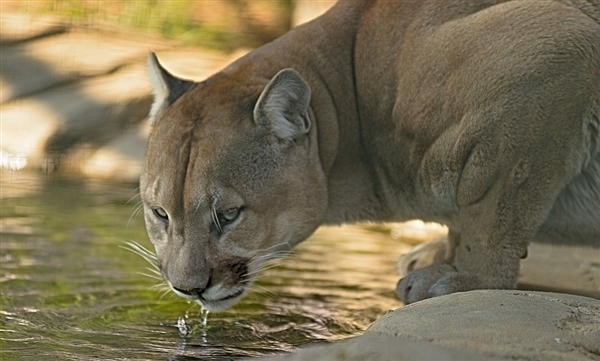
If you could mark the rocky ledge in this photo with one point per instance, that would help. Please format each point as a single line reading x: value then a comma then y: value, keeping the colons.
x: 477, y: 325
x: 76, y: 99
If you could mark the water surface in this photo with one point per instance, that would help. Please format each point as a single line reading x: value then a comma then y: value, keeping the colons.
x: 70, y: 291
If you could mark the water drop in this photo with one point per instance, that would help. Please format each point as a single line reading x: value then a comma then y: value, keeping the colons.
x: 204, y: 313
x: 183, y: 327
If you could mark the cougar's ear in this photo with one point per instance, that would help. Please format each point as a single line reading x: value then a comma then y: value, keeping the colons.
x: 166, y: 87
x: 283, y: 105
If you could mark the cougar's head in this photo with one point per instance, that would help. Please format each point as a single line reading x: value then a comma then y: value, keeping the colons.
x: 232, y: 178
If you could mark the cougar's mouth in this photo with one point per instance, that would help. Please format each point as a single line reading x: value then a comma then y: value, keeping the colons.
x: 215, y: 298
x: 221, y: 303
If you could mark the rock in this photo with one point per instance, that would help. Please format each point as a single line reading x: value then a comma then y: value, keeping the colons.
x: 477, y: 325
x: 122, y: 158
x: 31, y: 67
x: 75, y: 98
x: 380, y: 348
x: 19, y: 27
x: 510, y: 324
x: 84, y: 95
x: 561, y: 268
x: 90, y: 112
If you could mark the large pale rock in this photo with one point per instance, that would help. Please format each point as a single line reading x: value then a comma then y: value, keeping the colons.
x: 511, y: 324
x: 562, y: 268
x: 477, y: 325
x: 381, y: 348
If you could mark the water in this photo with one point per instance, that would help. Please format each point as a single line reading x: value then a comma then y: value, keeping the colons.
x: 69, y: 290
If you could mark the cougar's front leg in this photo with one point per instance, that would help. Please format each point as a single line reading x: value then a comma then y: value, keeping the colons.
x: 496, y: 220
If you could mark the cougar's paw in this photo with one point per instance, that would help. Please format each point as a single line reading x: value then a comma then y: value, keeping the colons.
x: 421, y: 256
x: 417, y: 285
x: 457, y: 282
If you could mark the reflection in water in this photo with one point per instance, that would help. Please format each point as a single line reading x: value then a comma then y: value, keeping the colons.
x: 70, y: 291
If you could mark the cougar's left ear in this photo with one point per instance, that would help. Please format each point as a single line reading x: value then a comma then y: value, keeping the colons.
x: 166, y: 87
x: 283, y: 105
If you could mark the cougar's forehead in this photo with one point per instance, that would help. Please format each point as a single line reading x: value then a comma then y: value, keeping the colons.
x: 196, y: 150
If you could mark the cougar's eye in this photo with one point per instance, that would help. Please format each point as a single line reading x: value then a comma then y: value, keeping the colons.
x: 161, y: 214
x: 229, y: 215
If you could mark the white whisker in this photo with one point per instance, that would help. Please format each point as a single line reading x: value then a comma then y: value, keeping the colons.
x: 136, y: 195
x: 149, y: 276
x: 160, y: 286
x: 164, y: 293
x: 136, y: 210
x: 270, y: 257
x: 266, y: 250
x: 215, y: 220
x: 141, y: 251
x: 154, y: 270
x: 199, y: 203
x: 262, y: 269
x: 264, y: 261
x: 263, y: 291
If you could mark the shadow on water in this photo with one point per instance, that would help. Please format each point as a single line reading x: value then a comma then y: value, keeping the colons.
x: 69, y: 291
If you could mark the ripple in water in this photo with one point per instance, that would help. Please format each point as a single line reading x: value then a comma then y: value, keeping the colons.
x: 70, y: 291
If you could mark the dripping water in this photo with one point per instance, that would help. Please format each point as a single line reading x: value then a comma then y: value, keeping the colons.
x: 204, y: 314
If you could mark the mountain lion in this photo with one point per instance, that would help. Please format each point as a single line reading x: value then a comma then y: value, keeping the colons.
x: 481, y: 115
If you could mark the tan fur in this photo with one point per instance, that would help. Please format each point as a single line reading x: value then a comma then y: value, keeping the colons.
x: 422, y: 255
x: 482, y: 115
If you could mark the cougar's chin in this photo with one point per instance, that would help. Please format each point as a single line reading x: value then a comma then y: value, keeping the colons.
x: 216, y: 298
x: 224, y: 302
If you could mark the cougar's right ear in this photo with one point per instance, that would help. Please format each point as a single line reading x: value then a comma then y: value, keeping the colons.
x: 165, y: 86
x: 283, y: 105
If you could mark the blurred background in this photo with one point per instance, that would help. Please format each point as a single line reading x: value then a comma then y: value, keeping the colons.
x: 74, y: 89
